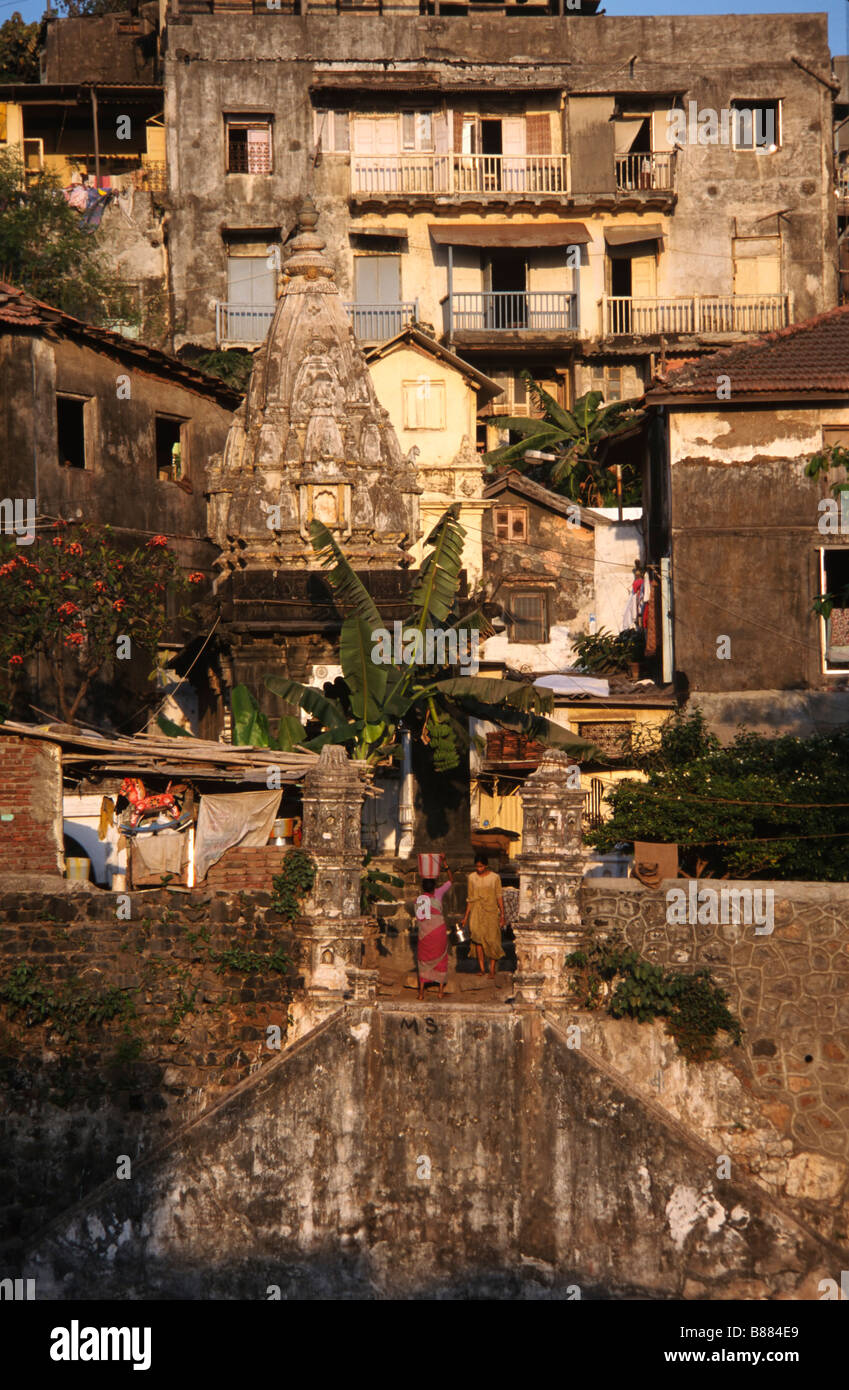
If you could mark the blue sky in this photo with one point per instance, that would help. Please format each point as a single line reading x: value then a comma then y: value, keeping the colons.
x: 836, y: 9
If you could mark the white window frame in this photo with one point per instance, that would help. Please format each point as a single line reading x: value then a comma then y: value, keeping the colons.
x: 324, y: 130
x: 427, y: 391
x: 418, y: 145
x: 750, y: 104
x: 512, y: 511
x: 233, y: 121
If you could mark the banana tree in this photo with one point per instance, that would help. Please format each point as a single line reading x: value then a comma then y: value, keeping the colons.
x: 378, y: 698
x: 579, y: 439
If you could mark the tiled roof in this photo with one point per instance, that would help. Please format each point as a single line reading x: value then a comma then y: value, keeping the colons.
x: 20, y: 310
x: 806, y: 357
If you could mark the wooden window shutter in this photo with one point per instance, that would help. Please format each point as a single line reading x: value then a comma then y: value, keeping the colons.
x: 458, y: 132
x: 538, y: 133
x: 501, y: 521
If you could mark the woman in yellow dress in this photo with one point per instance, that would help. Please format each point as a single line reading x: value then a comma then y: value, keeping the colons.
x: 485, y: 913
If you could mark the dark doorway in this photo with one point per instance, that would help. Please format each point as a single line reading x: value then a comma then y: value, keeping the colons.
x: 506, y: 279
x: 70, y: 431
x: 491, y: 137
x: 169, y: 453
x: 491, y: 145
x: 620, y: 289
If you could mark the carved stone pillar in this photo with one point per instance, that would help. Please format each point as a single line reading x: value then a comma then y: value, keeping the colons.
x: 551, y: 868
x: 332, y: 932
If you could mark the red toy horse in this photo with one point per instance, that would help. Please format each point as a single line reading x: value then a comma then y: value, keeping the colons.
x: 143, y: 805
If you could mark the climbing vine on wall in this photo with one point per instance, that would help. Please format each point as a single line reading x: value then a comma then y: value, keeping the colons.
x: 694, y: 1007
x: 293, y: 883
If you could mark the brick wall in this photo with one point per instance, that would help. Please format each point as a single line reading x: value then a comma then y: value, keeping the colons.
x: 245, y: 870
x: 31, y: 793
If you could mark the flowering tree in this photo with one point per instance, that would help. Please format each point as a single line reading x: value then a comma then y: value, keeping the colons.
x: 81, y: 601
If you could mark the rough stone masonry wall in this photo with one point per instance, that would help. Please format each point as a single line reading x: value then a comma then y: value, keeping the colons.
x: 70, y: 1107
x: 790, y: 988
x: 30, y: 807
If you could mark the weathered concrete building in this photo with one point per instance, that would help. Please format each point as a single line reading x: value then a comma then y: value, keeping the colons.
x: 754, y: 540
x: 568, y: 193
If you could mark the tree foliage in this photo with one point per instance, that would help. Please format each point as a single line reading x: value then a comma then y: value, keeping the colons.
x: 74, y: 596
x: 759, y: 808
x: 19, y: 44
x: 45, y: 250
x: 579, y: 441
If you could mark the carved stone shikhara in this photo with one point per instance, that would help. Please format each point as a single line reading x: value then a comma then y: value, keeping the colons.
x: 335, y: 938
x: 311, y: 440
x: 551, y: 868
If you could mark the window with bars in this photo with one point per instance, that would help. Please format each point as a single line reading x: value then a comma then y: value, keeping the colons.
x: 527, y: 616
x: 248, y: 146
x: 333, y: 131
x: 510, y: 523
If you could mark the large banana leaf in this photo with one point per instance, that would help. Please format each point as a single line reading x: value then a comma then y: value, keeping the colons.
x: 365, y: 679
x: 290, y: 733
x: 343, y: 578
x: 439, y: 578
x: 491, y: 690
x: 308, y: 699
x: 586, y: 409
x: 556, y: 414
x: 515, y: 453
x: 250, y: 726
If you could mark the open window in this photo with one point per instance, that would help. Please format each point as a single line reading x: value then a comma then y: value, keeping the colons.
x: 333, y: 131
x: 756, y: 125
x: 834, y: 581
x: 171, y: 461
x: 527, y: 616
x: 71, y: 431
x: 248, y: 145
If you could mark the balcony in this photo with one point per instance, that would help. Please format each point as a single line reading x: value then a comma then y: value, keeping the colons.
x: 245, y: 325
x: 695, y: 315
x: 375, y: 323
x: 646, y: 172
x: 463, y: 175
x: 841, y: 177
x: 493, y: 313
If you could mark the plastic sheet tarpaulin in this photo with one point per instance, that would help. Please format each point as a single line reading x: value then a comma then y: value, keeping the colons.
x: 240, y: 818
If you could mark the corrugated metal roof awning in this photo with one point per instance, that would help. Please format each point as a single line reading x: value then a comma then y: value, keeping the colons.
x: 510, y: 234
x: 626, y: 236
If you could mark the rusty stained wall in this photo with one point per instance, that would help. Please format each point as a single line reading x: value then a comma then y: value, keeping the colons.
x: 558, y: 560
x: 264, y: 64
x: 119, y: 485
x: 744, y: 544
x: 405, y: 1152
x: 103, y: 48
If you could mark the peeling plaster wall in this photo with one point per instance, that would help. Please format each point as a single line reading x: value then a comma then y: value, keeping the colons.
x: 745, y: 544
x: 456, y: 1153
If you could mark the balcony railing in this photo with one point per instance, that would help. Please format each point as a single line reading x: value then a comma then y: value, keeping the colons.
x: 644, y: 173
x: 242, y: 323
x: 842, y: 178
x: 487, y: 174
x: 374, y: 323
x: 503, y: 311
x: 731, y: 313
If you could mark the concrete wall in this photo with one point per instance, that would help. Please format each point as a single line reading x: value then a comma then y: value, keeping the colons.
x: 265, y: 63
x: 461, y: 1152
x: 745, y: 543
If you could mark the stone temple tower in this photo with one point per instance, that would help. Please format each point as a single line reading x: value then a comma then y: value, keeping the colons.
x: 310, y: 441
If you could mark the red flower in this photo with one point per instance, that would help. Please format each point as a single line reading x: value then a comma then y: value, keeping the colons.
x: 16, y: 661
x: 57, y: 540
x: 99, y: 586
x: 158, y: 540
x: 119, y: 604
x: 66, y: 609
x: 196, y: 577
x: 75, y: 548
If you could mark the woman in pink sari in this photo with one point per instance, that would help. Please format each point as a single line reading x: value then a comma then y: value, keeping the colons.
x: 432, y: 945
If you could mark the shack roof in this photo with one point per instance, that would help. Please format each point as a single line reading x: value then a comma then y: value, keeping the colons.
x: 21, y: 312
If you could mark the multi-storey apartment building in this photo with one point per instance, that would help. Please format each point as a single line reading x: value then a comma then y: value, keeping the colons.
x: 567, y: 192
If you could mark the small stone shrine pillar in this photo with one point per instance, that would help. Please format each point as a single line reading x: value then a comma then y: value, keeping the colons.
x: 334, y: 936
x: 551, y: 866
